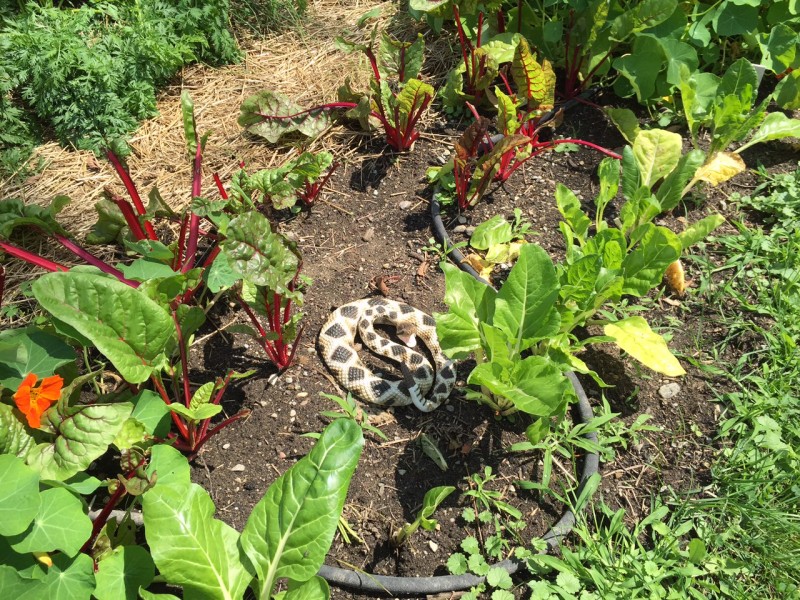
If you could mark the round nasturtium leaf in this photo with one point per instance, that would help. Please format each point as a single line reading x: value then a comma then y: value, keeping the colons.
x: 19, y: 495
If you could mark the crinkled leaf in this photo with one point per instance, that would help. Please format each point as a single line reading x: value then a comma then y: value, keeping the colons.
x: 272, y: 115
x: 258, y: 254
x: 400, y: 59
x: 644, y: 266
x: 110, y: 226
x: 59, y: 524
x: 31, y: 350
x: 533, y: 81
x: 122, y: 573
x: 189, y: 124
x: 82, y: 434
x: 220, y: 276
x: 412, y: 100
x: 291, y: 529
x: 128, y: 328
x: 507, y: 121
x: 637, y: 339
x: 189, y: 546
x: 657, y: 153
x: 641, y: 16
x: 19, y: 494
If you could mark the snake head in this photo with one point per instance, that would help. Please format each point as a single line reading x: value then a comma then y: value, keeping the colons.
x: 407, y: 334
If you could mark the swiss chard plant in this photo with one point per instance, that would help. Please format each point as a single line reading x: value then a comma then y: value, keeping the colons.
x: 396, y: 100
x: 300, y: 178
x: 522, y: 334
x: 268, y: 267
x: 145, y: 333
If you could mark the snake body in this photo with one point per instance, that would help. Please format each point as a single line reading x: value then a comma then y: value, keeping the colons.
x: 421, y: 386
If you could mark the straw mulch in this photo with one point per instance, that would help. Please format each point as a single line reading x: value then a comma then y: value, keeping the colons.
x: 305, y: 65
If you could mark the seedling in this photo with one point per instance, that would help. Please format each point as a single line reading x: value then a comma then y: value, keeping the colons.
x: 433, y: 498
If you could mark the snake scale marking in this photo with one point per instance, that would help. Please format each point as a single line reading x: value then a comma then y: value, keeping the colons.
x: 337, y: 340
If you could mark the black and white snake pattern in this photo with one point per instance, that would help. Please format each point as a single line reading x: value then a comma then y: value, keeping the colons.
x: 421, y: 386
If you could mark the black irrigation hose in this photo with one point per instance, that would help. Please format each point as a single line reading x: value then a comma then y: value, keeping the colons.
x: 367, y: 583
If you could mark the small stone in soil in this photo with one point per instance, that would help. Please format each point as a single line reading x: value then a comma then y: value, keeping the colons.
x: 669, y: 390
x: 433, y: 545
x: 302, y: 394
x: 288, y: 380
x: 469, y: 230
x: 237, y: 468
x: 274, y: 415
x: 462, y: 219
x: 459, y: 229
x: 368, y: 234
x: 404, y: 205
x: 293, y: 413
x: 387, y: 266
x: 226, y: 445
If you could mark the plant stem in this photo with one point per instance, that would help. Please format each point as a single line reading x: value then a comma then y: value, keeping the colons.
x: 123, y: 174
x: 31, y: 258
x: 93, y: 260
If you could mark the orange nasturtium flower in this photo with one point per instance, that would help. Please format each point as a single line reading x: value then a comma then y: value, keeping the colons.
x: 33, y: 401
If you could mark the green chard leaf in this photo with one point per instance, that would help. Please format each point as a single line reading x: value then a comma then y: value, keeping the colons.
x: 525, y: 306
x: 128, y: 328
x: 189, y: 546
x: 291, y: 529
x: 644, y: 266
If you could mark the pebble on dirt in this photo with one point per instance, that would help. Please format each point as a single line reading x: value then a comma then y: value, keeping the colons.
x: 669, y: 390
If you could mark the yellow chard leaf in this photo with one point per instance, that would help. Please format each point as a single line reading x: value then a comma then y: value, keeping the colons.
x: 637, y: 339
x: 721, y: 167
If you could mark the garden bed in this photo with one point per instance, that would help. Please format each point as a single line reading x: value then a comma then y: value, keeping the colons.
x: 369, y: 234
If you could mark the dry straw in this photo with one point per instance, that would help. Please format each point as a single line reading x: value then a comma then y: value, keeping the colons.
x: 305, y: 65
